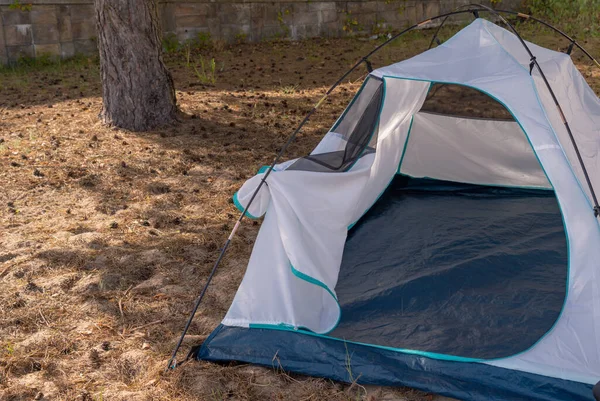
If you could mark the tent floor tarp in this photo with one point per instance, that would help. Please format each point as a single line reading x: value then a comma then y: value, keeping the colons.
x: 456, y: 269
x: 460, y: 271
x: 320, y: 356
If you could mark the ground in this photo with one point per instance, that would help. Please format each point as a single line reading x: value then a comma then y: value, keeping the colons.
x: 108, y: 235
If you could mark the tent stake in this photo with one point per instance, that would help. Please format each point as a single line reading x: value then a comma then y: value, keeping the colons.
x: 474, y: 9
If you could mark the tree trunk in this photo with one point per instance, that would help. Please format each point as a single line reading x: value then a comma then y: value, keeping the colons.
x: 137, y: 89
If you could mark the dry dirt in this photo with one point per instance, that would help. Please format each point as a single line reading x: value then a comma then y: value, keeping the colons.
x: 108, y: 235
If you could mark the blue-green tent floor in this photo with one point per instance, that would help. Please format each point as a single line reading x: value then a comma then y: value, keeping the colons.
x: 466, y: 270
x: 328, y: 358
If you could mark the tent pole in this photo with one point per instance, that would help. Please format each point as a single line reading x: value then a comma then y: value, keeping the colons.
x: 523, y: 16
x: 477, y: 7
x: 534, y: 62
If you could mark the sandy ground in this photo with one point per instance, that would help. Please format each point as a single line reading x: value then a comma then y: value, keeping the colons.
x: 108, y: 235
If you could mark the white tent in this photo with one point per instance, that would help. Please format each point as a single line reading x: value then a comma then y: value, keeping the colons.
x: 290, y: 302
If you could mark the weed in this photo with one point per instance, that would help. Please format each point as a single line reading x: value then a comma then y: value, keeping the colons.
x: 285, y: 30
x: 204, y: 40
x: 207, y: 72
x: 288, y: 89
x: 216, y: 395
x: 380, y: 27
x: 16, y: 5
x: 580, y: 17
x: 353, y: 380
x: 170, y: 43
x: 46, y: 62
x: 351, y: 24
x: 241, y: 38
x: 9, y: 348
x: 188, y: 53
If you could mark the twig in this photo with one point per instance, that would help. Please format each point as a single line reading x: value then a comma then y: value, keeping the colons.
x: 120, y: 302
x: 127, y: 290
x: 147, y: 324
x: 43, y: 318
x: 121, y: 308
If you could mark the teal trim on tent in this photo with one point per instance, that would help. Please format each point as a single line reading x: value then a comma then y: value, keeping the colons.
x: 312, y: 280
x: 263, y: 169
x: 431, y: 355
x: 537, y: 96
x: 236, y: 201
x: 486, y: 184
x: 296, y: 351
x: 412, y: 119
x: 241, y: 208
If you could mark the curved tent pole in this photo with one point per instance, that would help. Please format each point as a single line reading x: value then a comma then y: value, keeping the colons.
x: 555, y: 29
x: 523, y: 16
x: 534, y: 62
x: 172, y: 361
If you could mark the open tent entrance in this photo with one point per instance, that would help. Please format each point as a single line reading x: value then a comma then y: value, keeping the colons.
x: 465, y: 254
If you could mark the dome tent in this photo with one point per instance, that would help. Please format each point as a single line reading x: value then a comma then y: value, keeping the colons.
x: 451, y: 253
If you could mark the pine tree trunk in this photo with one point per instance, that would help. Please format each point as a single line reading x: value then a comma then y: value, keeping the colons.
x: 137, y: 89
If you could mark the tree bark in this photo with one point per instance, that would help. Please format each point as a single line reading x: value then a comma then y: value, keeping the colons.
x: 137, y: 89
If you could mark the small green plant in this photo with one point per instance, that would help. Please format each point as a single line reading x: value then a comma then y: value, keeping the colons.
x: 353, y: 380
x: 351, y: 24
x: 203, y: 40
x: 207, y: 72
x: 16, y: 5
x: 9, y: 348
x: 170, y: 43
x: 241, y: 38
x: 577, y: 17
x: 380, y: 27
x: 289, y: 89
x: 188, y: 52
x: 285, y: 30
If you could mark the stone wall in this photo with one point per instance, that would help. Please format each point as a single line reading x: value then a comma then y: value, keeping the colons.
x: 67, y: 27
x: 56, y: 29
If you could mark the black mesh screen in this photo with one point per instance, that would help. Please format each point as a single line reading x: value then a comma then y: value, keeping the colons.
x: 358, y: 126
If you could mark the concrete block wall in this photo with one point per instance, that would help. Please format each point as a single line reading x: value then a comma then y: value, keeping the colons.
x: 63, y: 28
x: 47, y: 29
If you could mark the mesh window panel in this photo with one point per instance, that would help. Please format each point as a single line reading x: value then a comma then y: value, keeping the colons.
x: 462, y: 101
x: 358, y: 126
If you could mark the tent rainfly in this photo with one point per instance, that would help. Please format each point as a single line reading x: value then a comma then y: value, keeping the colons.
x: 427, y: 244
